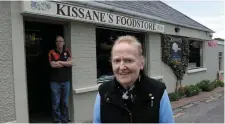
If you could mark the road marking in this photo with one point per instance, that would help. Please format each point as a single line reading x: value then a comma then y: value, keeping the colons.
x: 178, y: 114
x: 188, y: 106
x: 209, y: 100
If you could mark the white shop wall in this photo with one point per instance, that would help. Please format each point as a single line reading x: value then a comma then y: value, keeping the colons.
x: 83, y: 48
x: 187, y: 32
x: 84, y: 73
x: 154, y: 54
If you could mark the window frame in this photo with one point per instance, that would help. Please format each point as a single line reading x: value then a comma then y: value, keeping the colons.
x: 201, y: 55
x: 220, y: 57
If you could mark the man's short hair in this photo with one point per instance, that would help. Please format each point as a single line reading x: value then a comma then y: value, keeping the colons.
x: 59, y: 36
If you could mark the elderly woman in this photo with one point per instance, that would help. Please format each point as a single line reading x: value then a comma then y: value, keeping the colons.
x: 132, y: 97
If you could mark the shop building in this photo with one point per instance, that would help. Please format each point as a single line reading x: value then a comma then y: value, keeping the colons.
x: 28, y: 30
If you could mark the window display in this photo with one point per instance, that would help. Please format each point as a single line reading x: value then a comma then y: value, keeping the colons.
x: 195, y: 55
x: 104, y: 41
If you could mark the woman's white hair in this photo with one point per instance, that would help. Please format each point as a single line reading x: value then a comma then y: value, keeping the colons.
x: 130, y: 40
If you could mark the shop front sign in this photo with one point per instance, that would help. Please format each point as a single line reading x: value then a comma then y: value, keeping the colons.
x: 73, y: 12
x: 212, y: 43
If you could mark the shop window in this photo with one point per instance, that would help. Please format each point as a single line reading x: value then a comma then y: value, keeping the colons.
x: 104, y: 41
x: 195, y: 55
x: 220, y: 60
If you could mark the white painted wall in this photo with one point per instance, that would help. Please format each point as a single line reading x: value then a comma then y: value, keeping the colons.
x: 187, y: 32
x: 19, y: 68
x: 7, y: 92
x: 154, y: 55
x: 84, y: 74
x: 83, y: 47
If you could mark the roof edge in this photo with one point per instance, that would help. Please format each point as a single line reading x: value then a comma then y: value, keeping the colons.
x: 130, y: 12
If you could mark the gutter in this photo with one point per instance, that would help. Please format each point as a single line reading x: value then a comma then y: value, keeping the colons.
x: 130, y: 12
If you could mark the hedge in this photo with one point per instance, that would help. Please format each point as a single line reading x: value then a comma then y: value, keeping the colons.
x: 192, y: 90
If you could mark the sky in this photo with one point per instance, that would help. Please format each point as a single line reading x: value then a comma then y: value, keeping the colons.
x: 210, y: 13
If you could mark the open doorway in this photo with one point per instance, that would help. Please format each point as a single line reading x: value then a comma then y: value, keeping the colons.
x: 39, y: 39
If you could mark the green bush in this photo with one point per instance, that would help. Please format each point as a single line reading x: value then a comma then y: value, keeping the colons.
x: 191, y: 90
x: 206, y: 85
x: 213, y: 84
x: 219, y: 83
x: 203, y: 84
x: 173, y: 96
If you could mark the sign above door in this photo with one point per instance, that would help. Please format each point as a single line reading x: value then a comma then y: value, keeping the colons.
x: 73, y: 12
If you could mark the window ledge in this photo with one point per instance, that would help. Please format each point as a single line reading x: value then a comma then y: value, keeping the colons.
x: 95, y: 87
x: 196, y: 70
x: 157, y: 77
x: 86, y: 89
x: 10, y: 122
x: 221, y: 71
x: 221, y: 43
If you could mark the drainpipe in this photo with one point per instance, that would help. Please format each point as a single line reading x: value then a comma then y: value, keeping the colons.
x: 130, y: 12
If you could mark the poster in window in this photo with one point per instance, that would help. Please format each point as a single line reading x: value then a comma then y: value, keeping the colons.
x: 175, y: 53
x: 176, y: 49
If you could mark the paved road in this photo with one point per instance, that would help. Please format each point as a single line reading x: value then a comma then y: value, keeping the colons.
x: 211, y: 112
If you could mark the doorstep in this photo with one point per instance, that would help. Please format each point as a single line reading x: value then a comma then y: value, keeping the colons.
x: 200, y: 97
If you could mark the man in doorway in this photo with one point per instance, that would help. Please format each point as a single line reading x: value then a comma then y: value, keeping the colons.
x: 61, y: 61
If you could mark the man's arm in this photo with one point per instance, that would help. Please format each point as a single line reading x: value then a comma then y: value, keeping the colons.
x: 96, y: 114
x: 55, y: 64
x: 165, y: 112
x: 68, y: 63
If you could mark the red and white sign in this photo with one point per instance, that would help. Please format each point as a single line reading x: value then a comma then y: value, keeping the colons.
x: 212, y: 43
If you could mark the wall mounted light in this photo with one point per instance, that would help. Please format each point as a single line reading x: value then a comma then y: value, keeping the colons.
x: 177, y: 29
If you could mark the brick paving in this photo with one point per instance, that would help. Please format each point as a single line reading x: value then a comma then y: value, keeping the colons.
x: 200, y: 97
x: 203, y: 112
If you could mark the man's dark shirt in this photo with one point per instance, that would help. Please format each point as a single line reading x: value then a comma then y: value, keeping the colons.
x: 60, y: 74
